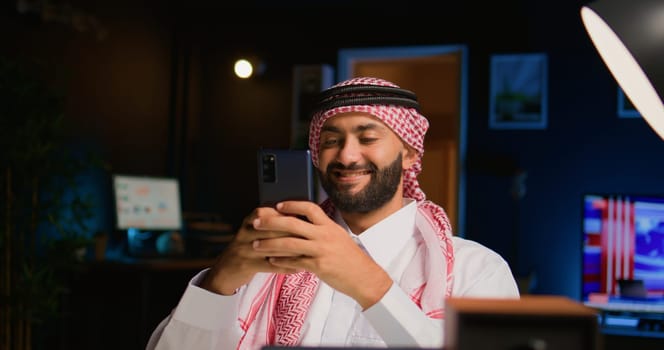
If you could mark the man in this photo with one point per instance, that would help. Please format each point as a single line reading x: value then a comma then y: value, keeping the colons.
x: 371, y: 266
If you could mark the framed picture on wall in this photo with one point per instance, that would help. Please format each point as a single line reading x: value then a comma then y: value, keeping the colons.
x: 308, y: 82
x: 625, y: 107
x: 518, y: 91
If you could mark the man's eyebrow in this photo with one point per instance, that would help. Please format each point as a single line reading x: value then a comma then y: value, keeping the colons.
x: 359, y: 128
x: 330, y: 128
x: 368, y: 126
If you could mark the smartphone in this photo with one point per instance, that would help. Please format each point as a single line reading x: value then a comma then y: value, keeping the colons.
x: 284, y: 174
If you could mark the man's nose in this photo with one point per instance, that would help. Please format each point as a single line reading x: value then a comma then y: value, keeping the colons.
x: 350, y: 152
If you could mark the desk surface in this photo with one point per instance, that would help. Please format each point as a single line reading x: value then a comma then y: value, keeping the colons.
x: 654, y: 307
x: 176, y: 263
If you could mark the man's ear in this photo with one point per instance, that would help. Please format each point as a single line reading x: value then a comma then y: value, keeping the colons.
x: 409, y: 157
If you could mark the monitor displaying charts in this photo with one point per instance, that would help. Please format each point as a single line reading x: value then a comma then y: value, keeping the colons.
x: 147, y: 203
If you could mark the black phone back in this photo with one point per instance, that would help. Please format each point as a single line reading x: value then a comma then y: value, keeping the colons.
x: 284, y: 174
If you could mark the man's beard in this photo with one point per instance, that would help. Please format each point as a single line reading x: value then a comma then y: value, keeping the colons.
x: 380, y: 189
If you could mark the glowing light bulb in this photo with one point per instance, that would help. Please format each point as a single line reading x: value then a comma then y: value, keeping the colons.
x: 243, y: 68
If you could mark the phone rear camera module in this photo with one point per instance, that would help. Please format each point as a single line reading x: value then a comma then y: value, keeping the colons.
x: 269, y: 168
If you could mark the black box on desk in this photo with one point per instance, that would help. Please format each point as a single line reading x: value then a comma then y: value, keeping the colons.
x: 207, y: 239
x: 532, y: 322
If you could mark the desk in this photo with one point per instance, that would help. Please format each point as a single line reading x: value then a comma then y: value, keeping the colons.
x: 147, y: 269
x: 631, y: 318
x: 155, y: 264
x: 117, y: 302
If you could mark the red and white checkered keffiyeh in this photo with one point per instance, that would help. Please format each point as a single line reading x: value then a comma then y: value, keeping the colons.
x: 277, y: 311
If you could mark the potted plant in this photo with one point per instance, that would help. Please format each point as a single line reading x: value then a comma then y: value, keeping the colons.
x: 43, y: 216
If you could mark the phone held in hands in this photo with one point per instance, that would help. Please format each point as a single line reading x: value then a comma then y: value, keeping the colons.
x: 284, y: 174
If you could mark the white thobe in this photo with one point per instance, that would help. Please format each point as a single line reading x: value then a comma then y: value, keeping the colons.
x: 204, y: 320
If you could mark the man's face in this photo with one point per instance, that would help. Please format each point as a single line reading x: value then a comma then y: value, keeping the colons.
x: 360, y: 162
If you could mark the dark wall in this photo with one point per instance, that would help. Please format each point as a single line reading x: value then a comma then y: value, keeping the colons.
x: 112, y: 61
x: 156, y: 96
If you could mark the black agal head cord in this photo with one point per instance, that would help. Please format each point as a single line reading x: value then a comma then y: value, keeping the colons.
x: 353, y: 95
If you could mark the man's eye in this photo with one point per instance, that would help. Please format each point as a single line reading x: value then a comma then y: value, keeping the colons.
x: 368, y: 139
x: 329, y: 142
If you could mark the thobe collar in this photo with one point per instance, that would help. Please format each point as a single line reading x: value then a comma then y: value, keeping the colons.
x: 384, y: 240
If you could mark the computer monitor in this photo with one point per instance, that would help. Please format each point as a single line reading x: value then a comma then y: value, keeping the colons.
x: 149, y: 209
x: 147, y: 203
x: 623, y: 240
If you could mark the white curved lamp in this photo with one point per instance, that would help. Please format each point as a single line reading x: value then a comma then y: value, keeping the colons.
x: 629, y: 36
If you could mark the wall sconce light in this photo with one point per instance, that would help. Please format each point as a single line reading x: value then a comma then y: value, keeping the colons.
x: 629, y: 36
x: 245, y: 68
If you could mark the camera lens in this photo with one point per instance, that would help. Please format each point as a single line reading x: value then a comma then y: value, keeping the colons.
x: 269, y: 169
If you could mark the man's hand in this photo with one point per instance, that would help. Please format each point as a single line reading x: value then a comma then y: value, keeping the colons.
x: 239, y: 261
x: 322, y: 247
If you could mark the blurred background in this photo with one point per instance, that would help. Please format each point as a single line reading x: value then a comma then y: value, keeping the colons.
x: 147, y: 88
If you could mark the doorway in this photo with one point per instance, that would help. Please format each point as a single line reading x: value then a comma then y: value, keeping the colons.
x: 438, y: 74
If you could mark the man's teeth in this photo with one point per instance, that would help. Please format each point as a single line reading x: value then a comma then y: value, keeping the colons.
x: 353, y: 173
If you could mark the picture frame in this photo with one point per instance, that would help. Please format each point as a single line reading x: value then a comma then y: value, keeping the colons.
x: 308, y: 81
x: 518, y: 91
x: 625, y: 107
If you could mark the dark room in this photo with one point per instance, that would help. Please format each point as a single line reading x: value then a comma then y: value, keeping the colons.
x: 133, y: 154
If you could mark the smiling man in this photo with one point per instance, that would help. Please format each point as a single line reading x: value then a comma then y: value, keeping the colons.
x: 373, y: 264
